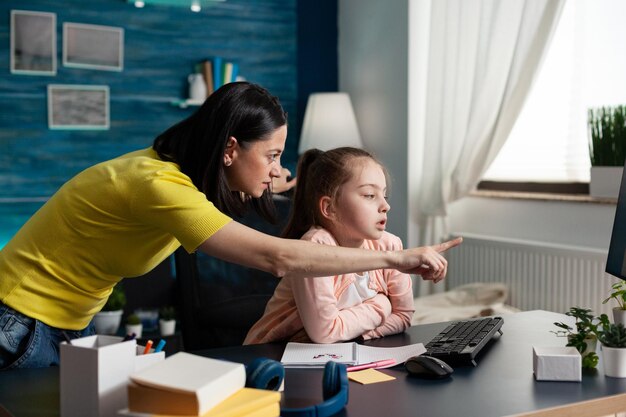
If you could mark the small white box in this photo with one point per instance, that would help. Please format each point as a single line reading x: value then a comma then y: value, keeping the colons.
x: 557, y: 363
x: 94, y: 374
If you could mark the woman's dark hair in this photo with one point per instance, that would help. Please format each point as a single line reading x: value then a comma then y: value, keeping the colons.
x: 320, y: 174
x: 244, y: 110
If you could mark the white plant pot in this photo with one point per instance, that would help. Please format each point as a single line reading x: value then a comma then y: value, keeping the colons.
x: 619, y: 315
x: 167, y: 327
x: 592, y: 343
x: 604, y: 182
x: 134, y: 328
x: 614, y: 361
x: 107, y: 322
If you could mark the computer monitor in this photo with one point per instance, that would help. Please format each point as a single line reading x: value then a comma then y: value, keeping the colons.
x: 616, y: 260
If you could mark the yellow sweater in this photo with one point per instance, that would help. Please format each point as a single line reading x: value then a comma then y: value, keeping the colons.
x: 117, y: 219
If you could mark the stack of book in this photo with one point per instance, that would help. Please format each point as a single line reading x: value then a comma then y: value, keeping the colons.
x: 217, y: 72
x: 189, y: 385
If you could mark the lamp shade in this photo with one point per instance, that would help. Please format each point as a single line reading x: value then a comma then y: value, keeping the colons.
x: 329, y: 123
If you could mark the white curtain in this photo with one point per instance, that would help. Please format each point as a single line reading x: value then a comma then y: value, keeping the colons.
x: 471, y: 66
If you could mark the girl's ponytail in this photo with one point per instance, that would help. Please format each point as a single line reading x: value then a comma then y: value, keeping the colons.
x: 302, y: 214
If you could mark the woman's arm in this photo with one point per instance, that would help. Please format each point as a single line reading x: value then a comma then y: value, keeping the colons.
x: 297, y: 258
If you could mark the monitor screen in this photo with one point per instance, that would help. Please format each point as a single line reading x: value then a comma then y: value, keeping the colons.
x: 616, y: 260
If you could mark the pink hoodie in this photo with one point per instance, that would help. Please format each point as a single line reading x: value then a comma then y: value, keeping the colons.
x: 305, y: 309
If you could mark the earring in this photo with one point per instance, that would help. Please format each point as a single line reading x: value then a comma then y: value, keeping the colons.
x: 228, y: 162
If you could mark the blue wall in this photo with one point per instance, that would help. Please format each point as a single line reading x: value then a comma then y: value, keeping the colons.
x: 162, y: 44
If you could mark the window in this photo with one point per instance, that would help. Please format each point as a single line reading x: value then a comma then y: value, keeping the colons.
x: 584, y: 67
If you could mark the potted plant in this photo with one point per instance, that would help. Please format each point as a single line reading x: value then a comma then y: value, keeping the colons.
x: 583, y: 337
x: 108, y: 320
x: 619, y: 295
x: 612, y: 337
x: 133, y: 325
x: 167, y: 320
x: 607, y: 149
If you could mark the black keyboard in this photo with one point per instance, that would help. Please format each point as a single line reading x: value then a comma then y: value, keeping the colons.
x: 461, y: 341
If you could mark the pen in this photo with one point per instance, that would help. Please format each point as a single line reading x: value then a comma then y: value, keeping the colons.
x: 377, y: 364
x: 148, y: 346
x: 129, y: 337
x: 159, y: 346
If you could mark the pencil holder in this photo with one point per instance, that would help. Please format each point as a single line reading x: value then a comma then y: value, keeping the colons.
x: 94, y: 374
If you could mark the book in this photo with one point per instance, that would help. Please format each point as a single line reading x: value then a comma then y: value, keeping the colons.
x: 227, y: 72
x: 184, y: 384
x: 306, y: 355
x: 270, y: 410
x: 247, y: 402
x: 207, y: 72
x: 217, y: 72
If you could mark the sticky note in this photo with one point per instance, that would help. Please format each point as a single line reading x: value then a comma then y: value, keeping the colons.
x: 369, y: 376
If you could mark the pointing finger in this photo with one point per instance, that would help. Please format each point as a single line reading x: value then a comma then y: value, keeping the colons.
x: 444, y: 246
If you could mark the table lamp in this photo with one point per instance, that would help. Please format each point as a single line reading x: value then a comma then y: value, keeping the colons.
x: 329, y: 123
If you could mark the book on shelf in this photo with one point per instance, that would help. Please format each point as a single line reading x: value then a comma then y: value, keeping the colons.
x: 247, y: 402
x: 184, y: 384
x: 227, y: 73
x: 207, y: 73
x: 306, y: 355
x: 217, y: 72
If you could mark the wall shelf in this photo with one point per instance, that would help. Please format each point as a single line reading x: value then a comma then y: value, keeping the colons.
x: 183, y: 104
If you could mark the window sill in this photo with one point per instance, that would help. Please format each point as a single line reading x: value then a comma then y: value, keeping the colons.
x: 520, y: 195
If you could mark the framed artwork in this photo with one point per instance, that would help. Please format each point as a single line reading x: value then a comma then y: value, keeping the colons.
x: 33, y: 43
x: 93, y: 46
x: 78, y: 107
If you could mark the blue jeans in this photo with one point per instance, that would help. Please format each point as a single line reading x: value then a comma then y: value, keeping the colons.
x: 29, y: 343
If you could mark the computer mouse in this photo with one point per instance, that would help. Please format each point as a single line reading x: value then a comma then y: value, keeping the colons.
x: 424, y: 366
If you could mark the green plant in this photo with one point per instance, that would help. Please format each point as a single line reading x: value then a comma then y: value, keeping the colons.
x: 607, y: 135
x: 116, y: 300
x: 133, y: 319
x: 585, y: 330
x: 618, y: 294
x: 167, y: 313
x: 611, y: 334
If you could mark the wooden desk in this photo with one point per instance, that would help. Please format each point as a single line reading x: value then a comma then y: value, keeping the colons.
x: 502, y: 384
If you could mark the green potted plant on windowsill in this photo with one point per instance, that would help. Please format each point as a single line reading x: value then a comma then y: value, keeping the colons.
x: 583, y: 336
x: 167, y: 320
x: 108, y: 320
x: 607, y: 149
x: 618, y: 294
x: 134, y: 326
x: 612, y: 337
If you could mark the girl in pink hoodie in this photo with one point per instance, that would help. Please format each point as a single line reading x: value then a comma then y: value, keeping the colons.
x: 340, y: 200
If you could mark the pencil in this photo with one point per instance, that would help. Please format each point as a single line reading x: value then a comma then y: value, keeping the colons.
x: 148, y: 346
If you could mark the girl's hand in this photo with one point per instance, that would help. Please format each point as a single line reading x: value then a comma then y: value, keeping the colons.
x: 428, y: 261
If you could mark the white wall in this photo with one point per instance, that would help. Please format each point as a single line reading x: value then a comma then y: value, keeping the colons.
x: 373, y: 54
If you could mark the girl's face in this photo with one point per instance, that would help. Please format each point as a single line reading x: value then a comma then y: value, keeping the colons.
x: 251, y: 169
x: 360, y: 210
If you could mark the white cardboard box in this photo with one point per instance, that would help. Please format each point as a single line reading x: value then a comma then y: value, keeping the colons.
x: 94, y: 374
x: 557, y: 363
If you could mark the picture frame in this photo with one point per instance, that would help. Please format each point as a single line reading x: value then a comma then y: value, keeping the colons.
x: 93, y: 46
x: 33, y: 43
x: 78, y: 107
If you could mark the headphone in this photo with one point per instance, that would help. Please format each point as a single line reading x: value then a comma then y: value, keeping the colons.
x: 263, y: 373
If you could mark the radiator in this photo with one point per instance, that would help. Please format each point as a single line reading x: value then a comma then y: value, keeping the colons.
x: 539, y: 275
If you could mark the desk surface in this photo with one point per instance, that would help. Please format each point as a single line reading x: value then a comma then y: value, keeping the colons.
x: 502, y: 384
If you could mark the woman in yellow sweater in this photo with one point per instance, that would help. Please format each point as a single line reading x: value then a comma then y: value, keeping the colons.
x: 122, y: 217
